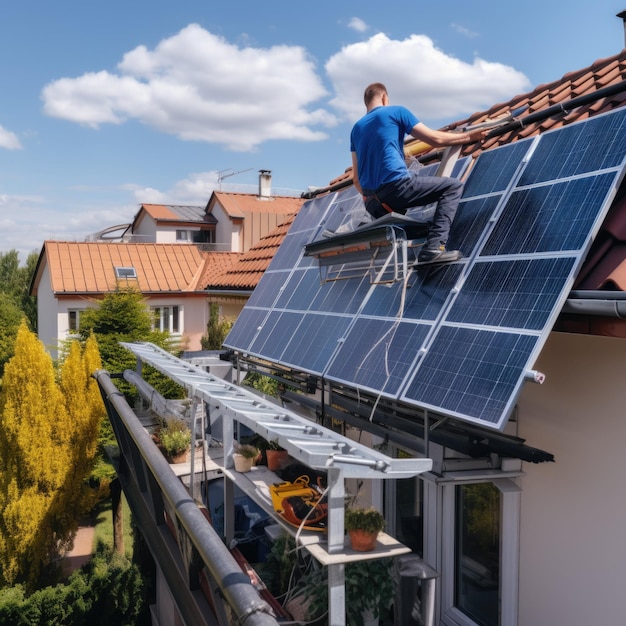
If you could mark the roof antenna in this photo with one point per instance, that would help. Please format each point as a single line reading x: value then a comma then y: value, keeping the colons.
x: 222, y: 174
x: 622, y: 16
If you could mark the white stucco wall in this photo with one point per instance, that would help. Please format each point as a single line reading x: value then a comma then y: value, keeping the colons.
x: 47, y: 313
x: 573, y: 519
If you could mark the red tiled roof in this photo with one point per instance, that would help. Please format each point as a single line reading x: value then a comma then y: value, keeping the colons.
x: 246, y: 272
x: 89, y: 267
x: 217, y: 263
x: 237, y: 205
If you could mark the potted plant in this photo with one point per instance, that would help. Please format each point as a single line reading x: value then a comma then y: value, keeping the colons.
x: 244, y: 457
x: 174, y: 439
x: 276, y: 456
x: 363, y: 526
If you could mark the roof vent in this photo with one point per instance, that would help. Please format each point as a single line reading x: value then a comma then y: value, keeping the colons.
x: 265, y: 184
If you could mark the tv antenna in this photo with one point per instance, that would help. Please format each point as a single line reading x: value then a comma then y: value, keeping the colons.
x: 222, y: 174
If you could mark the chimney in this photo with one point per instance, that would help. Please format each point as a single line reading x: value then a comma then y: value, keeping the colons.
x: 622, y: 16
x: 265, y: 184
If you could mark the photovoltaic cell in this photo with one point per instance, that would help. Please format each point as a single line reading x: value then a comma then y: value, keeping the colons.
x: 457, y: 339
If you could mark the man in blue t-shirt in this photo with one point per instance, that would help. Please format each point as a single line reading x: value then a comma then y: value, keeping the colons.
x: 381, y: 175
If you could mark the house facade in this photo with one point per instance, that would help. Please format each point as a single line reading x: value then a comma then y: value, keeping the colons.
x: 71, y: 277
x: 169, y: 252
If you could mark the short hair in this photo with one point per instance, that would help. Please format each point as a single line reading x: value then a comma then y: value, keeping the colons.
x: 372, y: 91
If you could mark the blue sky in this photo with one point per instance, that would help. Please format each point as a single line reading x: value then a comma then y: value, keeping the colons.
x: 108, y: 105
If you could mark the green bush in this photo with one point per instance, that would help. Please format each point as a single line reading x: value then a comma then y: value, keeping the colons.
x: 108, y: 590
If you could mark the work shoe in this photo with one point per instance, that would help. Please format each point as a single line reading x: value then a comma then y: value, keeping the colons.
x: 438, y: 255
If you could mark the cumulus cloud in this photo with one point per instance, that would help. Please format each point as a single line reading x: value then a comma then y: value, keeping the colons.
x: 195, y: 189
x: 199, y: 87
x: 356, y: 23
x: 434, y: 85
x: 9, y: 140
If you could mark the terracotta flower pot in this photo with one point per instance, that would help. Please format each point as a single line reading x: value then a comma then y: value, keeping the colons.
x: 361, y: 540
x: 276, y: 459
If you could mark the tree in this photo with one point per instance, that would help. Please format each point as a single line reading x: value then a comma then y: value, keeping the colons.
x: 123, y: 316
x: 10, y: 319
x: 86, y: 411
x: 47, y: 438
x: 217, y: 329
x: 15, y: 282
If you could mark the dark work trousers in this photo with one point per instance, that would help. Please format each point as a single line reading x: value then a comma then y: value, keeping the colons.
x: 415, y: 191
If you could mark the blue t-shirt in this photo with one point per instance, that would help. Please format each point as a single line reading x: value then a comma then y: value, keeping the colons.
x: 378, y: 140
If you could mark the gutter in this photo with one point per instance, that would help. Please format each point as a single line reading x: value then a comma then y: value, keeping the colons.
x: 244, y: 293
x: 597, y: 303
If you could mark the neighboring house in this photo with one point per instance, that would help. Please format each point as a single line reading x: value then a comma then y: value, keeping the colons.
x: 206, y: 240
x: 230, y: 222
x: 71, y: 277
x: 557, y: 548
x: 159, y: 223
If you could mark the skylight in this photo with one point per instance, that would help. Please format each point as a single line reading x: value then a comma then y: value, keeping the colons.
x: 125, y: 272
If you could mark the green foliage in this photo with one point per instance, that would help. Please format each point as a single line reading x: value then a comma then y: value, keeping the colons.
x: 15, y: 282
x: 264, y: 384
x: 109, y: 590
x: 10, y: 319
x: 123, y: 316
x: 247, y: 450
x: 280, y: 566
x: 174, y: 438
x: 217, y: 329
x: 370, y: 519
x: 369, y: 586
x: 48, y: 431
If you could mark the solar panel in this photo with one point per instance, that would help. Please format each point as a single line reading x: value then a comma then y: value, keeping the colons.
x: 458, y: 339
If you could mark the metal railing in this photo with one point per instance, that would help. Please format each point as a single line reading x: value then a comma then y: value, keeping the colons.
x: 207, y: 584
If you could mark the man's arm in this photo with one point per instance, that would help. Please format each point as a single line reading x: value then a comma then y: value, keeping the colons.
x: 438, y: 138
x: 355, y: 173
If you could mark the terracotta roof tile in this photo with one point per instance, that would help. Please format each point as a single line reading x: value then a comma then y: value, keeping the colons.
x: 237, y: 205
x: 89, y: 267
x: 246, y: 272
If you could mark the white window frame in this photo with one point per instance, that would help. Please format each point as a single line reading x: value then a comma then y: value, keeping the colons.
x: 78, y: 313
x: 170, y: 307
x: 509, y: 548
x: 182, y: 235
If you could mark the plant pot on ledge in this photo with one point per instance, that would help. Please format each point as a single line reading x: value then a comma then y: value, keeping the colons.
x: 363, y: 527
x: 244, y: 457
x: 276, y: 456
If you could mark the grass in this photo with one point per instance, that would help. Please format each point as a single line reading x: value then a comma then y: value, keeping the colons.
x: 103, y: 526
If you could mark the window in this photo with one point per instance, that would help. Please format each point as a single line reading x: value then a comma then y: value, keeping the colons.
x: 479, y: 552
x: 125, y: 272
x: 167, y: 318
x: 73, y: 320
x: 182, y: 235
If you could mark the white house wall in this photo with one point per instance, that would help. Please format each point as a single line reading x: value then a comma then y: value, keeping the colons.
x: 573, y: 545
x: 47, y: 319
x: 194, y: 317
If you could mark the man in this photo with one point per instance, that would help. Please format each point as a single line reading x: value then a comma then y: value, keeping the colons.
x: 381, y: 176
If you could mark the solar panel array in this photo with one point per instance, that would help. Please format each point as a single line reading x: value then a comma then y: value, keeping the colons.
x: 458, y: 339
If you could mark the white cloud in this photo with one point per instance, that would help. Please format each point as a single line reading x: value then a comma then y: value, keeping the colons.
x: 356, y: 23
x: 9, y: 140
x: 196, y: 189
x: 198, y: 87
x: 462, y: 30
x: 434, y: 85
